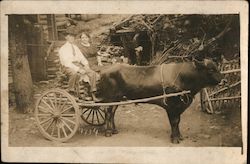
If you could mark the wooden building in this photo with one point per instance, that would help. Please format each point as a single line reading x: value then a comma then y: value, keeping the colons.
x: 41, y: 32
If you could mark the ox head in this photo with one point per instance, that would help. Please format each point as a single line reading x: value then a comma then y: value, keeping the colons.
x: 209, y: 71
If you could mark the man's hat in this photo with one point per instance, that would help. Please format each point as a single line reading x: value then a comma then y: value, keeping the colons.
x: 71, y: 31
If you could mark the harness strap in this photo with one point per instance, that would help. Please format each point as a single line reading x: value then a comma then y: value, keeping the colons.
x: 162, y: 79
x: 173, y: 85
x: 163, y: 85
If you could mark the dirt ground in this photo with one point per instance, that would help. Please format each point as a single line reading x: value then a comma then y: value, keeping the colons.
x: 140, y: 125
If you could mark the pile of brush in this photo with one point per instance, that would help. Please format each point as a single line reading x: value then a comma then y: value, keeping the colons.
x: 181, y: 37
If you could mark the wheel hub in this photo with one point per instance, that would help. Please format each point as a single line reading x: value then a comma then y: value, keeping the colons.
x: 57, y: 115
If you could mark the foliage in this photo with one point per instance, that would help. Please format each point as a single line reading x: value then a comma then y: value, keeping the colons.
x: 189, y: 35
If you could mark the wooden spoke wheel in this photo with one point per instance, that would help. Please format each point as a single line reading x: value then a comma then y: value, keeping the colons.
x: 57, y: 115
x: 94, y: 115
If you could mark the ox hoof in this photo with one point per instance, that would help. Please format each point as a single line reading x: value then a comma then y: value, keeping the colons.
x: 114, y: 131
x: 108, y: 133
x: 181, y: 137
x: 175, y: 140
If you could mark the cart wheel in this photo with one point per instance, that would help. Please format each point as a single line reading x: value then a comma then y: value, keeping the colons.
x: 57, y: 115
x: 94, y: 115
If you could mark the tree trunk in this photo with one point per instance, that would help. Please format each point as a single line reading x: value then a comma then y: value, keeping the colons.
x: 19, y: 59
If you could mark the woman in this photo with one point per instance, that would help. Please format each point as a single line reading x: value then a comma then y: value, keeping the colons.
x: 87, y: 47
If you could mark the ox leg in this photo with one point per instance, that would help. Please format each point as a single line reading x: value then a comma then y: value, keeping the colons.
x: 108, y: 122
x: 114, y: 130
x: 174, y: 120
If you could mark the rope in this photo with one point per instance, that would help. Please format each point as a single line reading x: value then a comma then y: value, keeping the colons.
x: 162, y: 79
x: 163, y: 85
x: 173, y: 84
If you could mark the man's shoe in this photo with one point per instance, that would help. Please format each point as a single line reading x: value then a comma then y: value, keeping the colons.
x: 87, y: 98
x: 95, y: 99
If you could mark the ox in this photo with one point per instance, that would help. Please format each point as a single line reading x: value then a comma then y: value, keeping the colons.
x: 135, y: 82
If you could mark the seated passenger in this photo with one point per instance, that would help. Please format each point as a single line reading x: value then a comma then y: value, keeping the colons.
x: 75, y: 64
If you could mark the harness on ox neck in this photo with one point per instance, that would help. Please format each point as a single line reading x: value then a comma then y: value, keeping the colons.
x: 185, y: 99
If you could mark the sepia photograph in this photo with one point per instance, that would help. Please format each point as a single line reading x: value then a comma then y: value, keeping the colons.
x: 124, y: 82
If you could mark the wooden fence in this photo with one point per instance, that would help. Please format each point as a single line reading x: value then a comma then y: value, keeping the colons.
x: 227, y: 95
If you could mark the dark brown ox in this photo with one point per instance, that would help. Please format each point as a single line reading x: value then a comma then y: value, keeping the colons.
x: 136, y: 82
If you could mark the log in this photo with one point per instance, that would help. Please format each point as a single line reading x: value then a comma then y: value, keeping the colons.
x: 60, y: 15
x: 225, y: 98
x: 125, y: 31
x: 43, y: 16
x: 43, y: 22
x: 149, y: 27
x: 61, y: 19
x: 122, y: 23
x: 172, y: 56
x: 52, y: 69
x: 61, y: 23
x: 157, y: 19
x: 51, y: 76
x: 230, y: 71
x: 53, y: 64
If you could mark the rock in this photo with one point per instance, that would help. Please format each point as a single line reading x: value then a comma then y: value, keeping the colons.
x: 214, y: 127
x: 217, y: 112
x: 206, y: 136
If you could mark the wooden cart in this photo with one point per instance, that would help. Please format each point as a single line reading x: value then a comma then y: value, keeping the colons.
x: 58, y: 113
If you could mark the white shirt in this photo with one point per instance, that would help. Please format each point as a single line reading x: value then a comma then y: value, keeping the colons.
x: 67, y: 56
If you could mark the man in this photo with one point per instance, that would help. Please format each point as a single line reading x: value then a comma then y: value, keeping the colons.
x: 75, y: 65
x: 138, y: 49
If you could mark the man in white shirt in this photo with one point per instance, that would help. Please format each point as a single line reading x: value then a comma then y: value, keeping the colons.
x: 75, y: 65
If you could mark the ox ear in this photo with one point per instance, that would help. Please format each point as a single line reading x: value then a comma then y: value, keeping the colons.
x: 198, y: 64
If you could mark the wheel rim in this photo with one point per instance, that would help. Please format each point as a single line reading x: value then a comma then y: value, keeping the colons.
x: 57, y: 115
x: 94, y: 115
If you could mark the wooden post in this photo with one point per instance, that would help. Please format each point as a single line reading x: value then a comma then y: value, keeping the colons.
x: 209, y: 102
x: 152, y: 39
x: 202, y: 100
